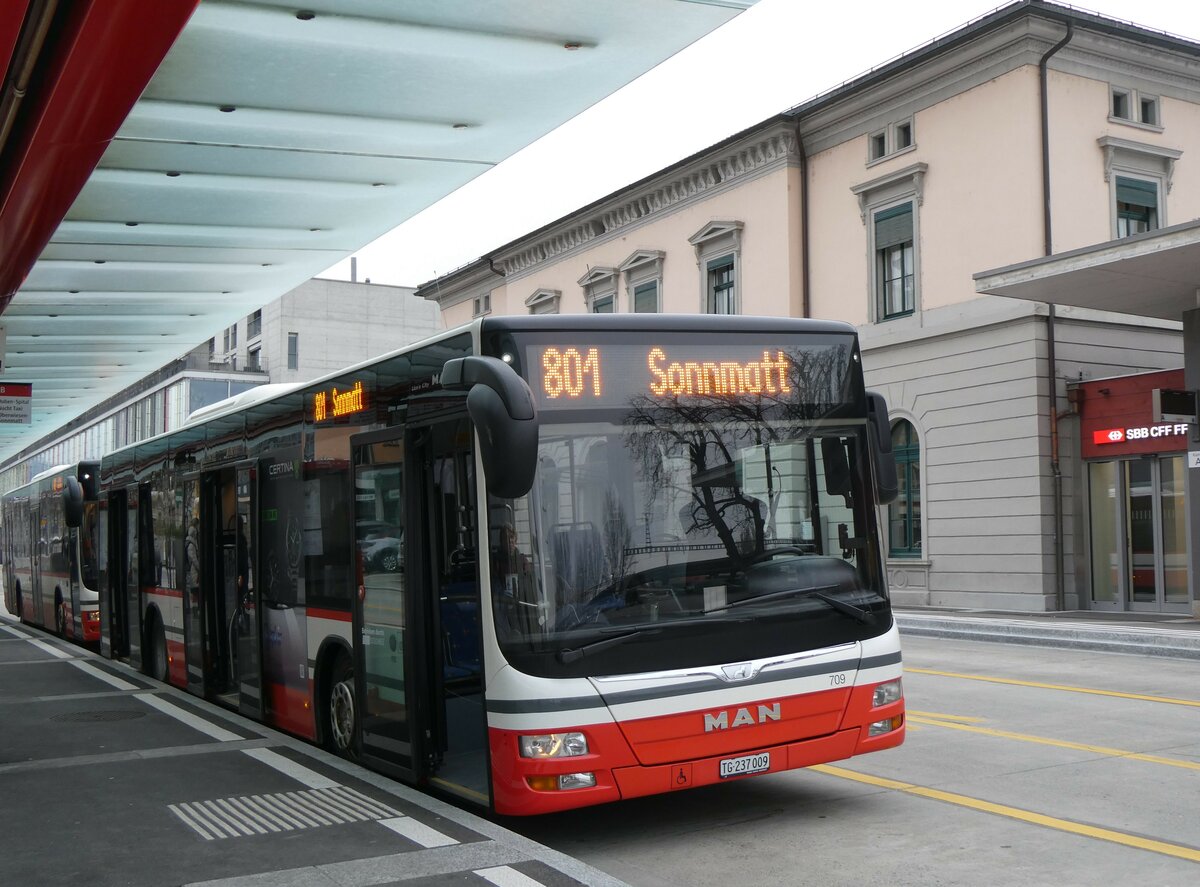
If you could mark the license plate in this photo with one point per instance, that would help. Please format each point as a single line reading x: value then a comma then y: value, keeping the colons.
x: 746, y: 764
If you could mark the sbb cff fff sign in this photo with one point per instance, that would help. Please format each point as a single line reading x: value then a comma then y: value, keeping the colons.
x: 1143, y: 432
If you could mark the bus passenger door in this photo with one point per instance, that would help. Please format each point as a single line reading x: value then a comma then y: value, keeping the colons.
x: 132, y: 571
x: 383, y: 654
x: 114, y: 621
x: 453, y: 737
x: 247, y: 658
x: 193, y: 568
x: 229, y: 610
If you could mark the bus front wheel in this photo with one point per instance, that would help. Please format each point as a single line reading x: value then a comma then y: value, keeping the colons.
x: 341, y: 709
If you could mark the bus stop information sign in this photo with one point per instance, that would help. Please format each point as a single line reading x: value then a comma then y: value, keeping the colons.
x: 15, y: 401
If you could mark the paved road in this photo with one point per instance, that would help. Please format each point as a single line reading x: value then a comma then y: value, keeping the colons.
x: 107, y: 778
x: 1023, y: 765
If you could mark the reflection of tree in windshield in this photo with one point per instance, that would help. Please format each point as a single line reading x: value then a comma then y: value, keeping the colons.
x: 713, y: 431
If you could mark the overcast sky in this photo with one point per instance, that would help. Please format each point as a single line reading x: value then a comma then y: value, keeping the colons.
x: 775, y: 55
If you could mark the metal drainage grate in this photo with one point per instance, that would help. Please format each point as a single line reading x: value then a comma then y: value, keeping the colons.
x: 93, y: 717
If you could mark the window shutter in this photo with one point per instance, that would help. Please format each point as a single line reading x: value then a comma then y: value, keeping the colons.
x: 1137, y: 192
x: 893, y: 226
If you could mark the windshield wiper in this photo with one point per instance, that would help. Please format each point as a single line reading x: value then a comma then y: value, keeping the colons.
x: 866, y: 617
x: 818, y: 591
x: 567, y: 655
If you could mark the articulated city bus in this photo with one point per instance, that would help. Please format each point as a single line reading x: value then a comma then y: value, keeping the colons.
x: 537, y: 562
x: 51, y: 565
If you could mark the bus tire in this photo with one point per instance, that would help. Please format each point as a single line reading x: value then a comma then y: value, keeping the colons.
x: 60, y: 617
x: 20, y: 605
x: 341, y: 709
x: 155, y: 661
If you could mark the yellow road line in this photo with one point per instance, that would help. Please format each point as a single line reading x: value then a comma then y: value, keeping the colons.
x: 1064, y: 825
x: 942, y: 717
x: 1058, y: 743
x: 992, y: 680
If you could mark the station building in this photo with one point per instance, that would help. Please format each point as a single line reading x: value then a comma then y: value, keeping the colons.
x: 1034, y: 131
x: 308, y: 332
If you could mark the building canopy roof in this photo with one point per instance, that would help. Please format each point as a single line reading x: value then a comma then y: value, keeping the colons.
x: 169, y: 166
x: 1156, y: 274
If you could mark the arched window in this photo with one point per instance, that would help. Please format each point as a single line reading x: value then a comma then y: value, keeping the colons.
x: 904, y: 514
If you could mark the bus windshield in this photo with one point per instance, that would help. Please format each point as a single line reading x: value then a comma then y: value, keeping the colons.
x: 683, y: 529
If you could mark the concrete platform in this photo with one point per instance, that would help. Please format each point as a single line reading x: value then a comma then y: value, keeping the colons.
x: 110, y: 779
x: 1148, y: 634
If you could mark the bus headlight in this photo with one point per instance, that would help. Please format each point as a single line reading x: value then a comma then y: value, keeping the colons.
x: 887, y: 693
x: 554, y: 745
x: 880, y: 728
x: 561, y: 783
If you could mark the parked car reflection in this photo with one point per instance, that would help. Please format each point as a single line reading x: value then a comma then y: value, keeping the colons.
x: 382, y: 546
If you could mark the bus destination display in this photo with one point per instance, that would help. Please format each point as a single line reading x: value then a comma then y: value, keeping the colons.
x: 574, y: 376
x: 338, y: 403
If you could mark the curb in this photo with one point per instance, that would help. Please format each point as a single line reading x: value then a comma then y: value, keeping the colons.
x: 1143, y: 641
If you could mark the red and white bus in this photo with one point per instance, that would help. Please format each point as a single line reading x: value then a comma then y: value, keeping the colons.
x: 537, y: 562
x: 51, y: 564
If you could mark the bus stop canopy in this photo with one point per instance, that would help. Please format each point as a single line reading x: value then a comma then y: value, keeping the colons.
x: 169, y: 166
x: 1156, y: 274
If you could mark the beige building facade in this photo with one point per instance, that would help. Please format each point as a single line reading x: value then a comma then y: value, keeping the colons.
x: 1037, y: 129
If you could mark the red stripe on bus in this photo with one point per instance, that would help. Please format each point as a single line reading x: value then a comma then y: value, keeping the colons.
x: 165, y: 592
x: 336, y: 615
x: 176, y: 664
x: 290, y: 709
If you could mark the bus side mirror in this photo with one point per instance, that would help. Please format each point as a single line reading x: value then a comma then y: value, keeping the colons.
x: 837, y: 467
x: 880, y: 431
x: 501, y: 406
x: 72, y: 496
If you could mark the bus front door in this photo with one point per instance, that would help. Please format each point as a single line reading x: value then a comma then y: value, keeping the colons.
x: 417, y: 607
x: 454, y: 746
x: 383, y: 653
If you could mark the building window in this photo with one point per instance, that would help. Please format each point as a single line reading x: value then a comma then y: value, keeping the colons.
x: 233, y: 336
x: 1131, y: 106
x: 226, y: 349
x: 904, y: 513
x: 544, y: 301
x: 721, y: 279
x: 1121, y: 105
x: 481, y: 305
x: 645, y: 298
x: 643, y: 280
x: 718, y: 254
x: 895, y: 272
x: 1139, y: 177
x: 878, y: 145
x: 1137, y: 206
x: 293, y: 351
x: 599, y: 290
x: 254, y: 360
x: 254, y: 325
x: 889, y: 207
x: 892, y: 139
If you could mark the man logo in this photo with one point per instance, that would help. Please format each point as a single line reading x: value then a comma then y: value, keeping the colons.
x: 742, y: 717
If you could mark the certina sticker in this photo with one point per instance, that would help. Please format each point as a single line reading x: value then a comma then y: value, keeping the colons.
x: 1145, y: 432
